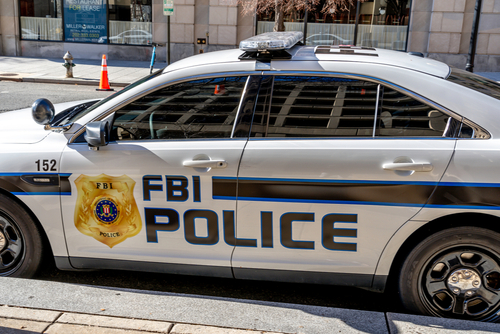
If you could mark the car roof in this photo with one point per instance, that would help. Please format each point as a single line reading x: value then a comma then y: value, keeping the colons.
x: 328, y: 53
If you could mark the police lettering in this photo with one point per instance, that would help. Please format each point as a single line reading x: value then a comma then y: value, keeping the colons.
x: 287, y: 220
x: 109, y: 234
x: 104, y: 185
x: 177, y: 187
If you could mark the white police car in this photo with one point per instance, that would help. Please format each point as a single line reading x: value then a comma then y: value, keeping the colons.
x: 331, y: 164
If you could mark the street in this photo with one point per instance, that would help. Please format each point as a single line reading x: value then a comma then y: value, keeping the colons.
x: 14, y: 95
x: 17, y: 95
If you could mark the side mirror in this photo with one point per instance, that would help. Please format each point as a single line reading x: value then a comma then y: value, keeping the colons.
x: 97, y: 134
x: 43, y: 111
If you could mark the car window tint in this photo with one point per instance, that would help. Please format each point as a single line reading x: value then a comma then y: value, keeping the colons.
x: 304, y: 106
x: 403, y: 116
x: 466, y: 132
x: 195, y: 109
x: 475, y: 82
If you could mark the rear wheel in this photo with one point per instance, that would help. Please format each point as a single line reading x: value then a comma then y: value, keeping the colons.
x: 20, y: 241
x: 454, y: 273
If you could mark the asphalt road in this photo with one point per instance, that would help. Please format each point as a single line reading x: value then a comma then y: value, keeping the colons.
x: 18, y: 95
x: 14, y: 95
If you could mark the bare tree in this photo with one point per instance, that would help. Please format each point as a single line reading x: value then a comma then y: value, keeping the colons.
x: 283, y: 7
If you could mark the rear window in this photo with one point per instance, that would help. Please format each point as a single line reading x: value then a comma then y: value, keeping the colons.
x: 475, y: 82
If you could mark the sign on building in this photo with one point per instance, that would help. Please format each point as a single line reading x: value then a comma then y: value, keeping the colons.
x: 85, y: 21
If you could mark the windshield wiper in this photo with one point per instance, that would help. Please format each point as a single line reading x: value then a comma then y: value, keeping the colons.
x: 70, y: 112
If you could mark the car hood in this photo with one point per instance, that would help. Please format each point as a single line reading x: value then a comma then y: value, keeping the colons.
x: 18, y: 126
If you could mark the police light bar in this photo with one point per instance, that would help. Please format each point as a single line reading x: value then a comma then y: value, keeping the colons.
x: 272, y: 41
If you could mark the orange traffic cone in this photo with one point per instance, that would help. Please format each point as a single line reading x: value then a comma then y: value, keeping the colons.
x: 104, y: 83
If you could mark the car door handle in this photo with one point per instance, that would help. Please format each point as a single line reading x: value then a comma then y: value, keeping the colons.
x: 205, y: 163
x: 409, y: 166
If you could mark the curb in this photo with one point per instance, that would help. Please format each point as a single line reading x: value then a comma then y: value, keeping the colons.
x: 63, y: 81
x: 53, y: 321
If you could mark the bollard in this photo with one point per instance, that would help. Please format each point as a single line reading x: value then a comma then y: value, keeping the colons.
x: 68, y: 63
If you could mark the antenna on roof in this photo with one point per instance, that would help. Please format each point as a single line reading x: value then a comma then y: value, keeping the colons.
x: 270, y: 45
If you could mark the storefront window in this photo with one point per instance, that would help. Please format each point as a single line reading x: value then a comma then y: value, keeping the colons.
x: 330, y: 28
x: 381, y: 23
x: 41, y: 20
x: 85, y: 21
x: 130, y: 22
x: 384, y: 24
x: 293, y: 21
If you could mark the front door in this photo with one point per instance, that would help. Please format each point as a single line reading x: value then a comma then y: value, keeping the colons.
x: 146, y: 197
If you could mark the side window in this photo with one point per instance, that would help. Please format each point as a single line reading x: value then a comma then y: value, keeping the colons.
x: 304, y: 106
x: 400, y: 115
x: 195, y: 109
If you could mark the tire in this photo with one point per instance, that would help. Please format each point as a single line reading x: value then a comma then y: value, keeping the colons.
x: 454, y: 273
x: 20, y: 241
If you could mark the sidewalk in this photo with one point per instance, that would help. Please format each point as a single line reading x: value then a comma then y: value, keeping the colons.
x: 88, y: 72
x: 54, y: 308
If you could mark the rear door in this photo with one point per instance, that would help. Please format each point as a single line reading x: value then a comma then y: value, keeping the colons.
x: 320, y: 192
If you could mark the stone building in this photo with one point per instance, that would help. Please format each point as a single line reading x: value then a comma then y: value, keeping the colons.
x: 442, y: 29
x: 125, y: 29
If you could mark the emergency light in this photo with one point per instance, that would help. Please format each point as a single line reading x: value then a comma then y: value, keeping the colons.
x: 271, y: 41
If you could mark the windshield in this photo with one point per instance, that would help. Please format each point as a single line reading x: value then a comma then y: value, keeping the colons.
x: 84, y: 112
x: 475, y: 82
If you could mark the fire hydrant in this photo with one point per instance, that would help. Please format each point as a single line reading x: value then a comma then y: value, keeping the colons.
x: 68, y: 63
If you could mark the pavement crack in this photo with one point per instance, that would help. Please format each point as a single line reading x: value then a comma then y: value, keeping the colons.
x: 387, y: 323
x: 53, y: 322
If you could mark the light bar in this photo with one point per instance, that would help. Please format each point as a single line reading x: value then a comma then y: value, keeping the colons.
x: 270, y: 41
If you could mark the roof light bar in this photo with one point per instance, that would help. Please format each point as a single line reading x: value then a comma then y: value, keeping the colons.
x: 272, y: 41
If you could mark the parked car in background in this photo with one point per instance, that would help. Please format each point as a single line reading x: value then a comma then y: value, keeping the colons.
x: 132, y: 37
x: 326, y: 39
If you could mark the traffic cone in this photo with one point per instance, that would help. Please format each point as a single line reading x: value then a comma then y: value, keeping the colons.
x: 104, y: 83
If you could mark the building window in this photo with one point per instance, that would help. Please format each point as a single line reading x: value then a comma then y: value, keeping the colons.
x: 41, y: 20
x: 130, y: 22
x: 87, y: 21
x: 379, y: 23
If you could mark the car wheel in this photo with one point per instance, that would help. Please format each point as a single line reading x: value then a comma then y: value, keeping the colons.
x: 454, y: 273
x: 20, y: 241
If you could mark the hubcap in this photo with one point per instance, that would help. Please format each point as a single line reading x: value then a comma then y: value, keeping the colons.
x: 3, y: 242
x: 464, y: 281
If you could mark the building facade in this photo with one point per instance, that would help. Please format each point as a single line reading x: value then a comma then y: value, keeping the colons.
x: 125, y: 29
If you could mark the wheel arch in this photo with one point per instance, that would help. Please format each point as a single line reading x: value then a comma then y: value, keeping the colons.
x: 45, y: 239
x: 413, y: 232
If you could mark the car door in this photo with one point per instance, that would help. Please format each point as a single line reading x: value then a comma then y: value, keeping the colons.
x: 334, y: 166
x: 144, y: 201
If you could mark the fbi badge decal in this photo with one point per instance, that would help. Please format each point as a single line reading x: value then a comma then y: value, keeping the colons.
x: 106, y: 209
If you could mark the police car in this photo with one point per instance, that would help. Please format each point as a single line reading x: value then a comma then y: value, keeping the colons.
x: 335, y: 165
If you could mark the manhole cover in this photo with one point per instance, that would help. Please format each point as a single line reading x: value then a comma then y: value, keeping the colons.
x: 8, y: 74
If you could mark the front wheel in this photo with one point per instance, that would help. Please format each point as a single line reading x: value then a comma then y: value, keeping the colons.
x: 454, y: 273
x: 20, y: 241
